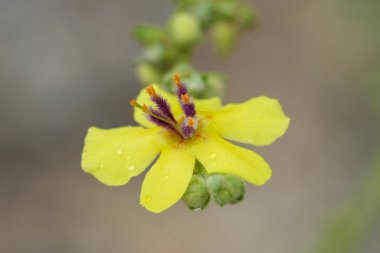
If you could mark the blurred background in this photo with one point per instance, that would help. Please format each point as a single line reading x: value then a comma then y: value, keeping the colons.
x: 66, y: 65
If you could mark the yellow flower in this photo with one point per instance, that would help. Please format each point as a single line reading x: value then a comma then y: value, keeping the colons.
x: 187, y: 131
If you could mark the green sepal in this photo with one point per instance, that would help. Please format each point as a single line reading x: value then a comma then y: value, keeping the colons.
x: 197, y: 195
x: 148, y: 35
x: 226, y: 189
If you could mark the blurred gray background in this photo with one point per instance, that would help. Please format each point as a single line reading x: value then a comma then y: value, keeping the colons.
x: 66, y: 65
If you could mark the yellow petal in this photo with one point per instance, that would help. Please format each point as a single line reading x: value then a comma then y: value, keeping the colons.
x: 201, y: 105
x: 167, y: 180
x: 259, y: 121
x: 221, y: 156
x: 114, y: 156
x: 207, y: 105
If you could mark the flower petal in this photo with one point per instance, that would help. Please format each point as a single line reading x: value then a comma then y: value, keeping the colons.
x: 167, y: 180
x: 207, y: 105
x: 220, y: 156
x: 113, y: 156
x: 259, y: 121
x: 201, y: 105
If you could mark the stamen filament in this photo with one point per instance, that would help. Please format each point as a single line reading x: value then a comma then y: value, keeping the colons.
x: 143, y: 108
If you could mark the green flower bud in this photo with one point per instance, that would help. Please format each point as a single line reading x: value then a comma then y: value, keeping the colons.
x: 147, y: 34
x: 185, y: 29
x: 193, y: 79
x: 247, y: 16
x: 226, y: 9
x: 204, y: 11
x: 146, y: 74
x: 154, y: 53
x: 224, y: 36
x: 226, y: 189
x: 197, y: 195
x: 215, y: 84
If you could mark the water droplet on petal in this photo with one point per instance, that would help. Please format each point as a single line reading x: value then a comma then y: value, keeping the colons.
x: 261, y: 114
x: 147, y: 198
x: 128, y: 157
x: 196, y: 209
x: 119, y: 152
x: 131, y: 168
x: 166, y: 176
x: 101, y: 166
x: 213, y: 155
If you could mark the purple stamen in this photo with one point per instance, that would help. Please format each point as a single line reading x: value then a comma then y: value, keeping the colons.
x: 187, y: 131
x: 181, y: 90
x: 163, y: 107
x: 188, y: 107
x: 158, y: 121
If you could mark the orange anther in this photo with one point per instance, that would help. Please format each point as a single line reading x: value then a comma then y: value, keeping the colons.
x: 190, y: 121
x: 177, y: 79
x: 133, y: 102
x: 150, y: 90
x: 185, y: 98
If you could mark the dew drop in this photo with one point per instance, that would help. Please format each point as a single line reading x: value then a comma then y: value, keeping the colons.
x: 119, y: 152
x: 196, y: 209
x: 261, y: 114
x: 147, y: 198
x: 128, y: 157
x: 213, y: 155
x: 131, y: 168
x: 166, y: 176
x: 101, y: 166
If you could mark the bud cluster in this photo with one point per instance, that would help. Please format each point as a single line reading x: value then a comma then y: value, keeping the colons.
x: 223, y: 188
x: 168, y: 48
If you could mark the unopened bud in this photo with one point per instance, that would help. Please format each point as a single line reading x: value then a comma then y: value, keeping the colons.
x: 226, y: 9
x: 193, y: 80
x: 224, y: 37
x: 154, y: 54
x: 197, y: 195
x: 185, y: 29
x: 247, y: 16
x: 148, y: 34
x: 215, y: 84
x: 147, y: 74
x: 226, y: 189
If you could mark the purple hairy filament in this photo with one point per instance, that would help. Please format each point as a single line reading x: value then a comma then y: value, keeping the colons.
x: 161, y: 114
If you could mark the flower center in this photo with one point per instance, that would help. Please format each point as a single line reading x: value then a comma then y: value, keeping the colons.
x: 161, y: 113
